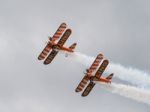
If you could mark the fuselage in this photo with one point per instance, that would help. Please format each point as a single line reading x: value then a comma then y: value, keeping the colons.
x: 54, y: 45
x: 103, y: 79
x: 99, y: 79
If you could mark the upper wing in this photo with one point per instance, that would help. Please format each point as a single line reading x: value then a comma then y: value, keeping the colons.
x: 88, y: 89
x: 96, y: 62
x: 101, y: 68
x: 44, y: 53
x: 93, y: 67
x: 50, y: 57
x: 63, y: 39
x: 59, y: 31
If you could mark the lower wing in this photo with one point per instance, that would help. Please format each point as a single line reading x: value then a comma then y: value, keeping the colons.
x: 50, y: 57
x: 88, y: 89
x: 102, y: 68
x: 65, y: 36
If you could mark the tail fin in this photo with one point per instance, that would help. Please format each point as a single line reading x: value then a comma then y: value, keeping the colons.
x: 110, y: 76
x: 73, y: 46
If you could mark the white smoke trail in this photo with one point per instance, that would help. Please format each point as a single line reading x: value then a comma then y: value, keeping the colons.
x: 81, y: 58
x: 131, y: 92
x: 134, y: 76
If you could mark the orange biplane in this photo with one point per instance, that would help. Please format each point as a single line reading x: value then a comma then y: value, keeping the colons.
x: 97, y: 77
x: 56, y: 46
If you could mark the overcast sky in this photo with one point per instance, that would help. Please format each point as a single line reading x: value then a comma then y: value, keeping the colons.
x: 118, y: 28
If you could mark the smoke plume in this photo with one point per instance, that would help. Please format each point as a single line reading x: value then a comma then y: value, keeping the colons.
x: 135, y: 93
x: 140, y: 92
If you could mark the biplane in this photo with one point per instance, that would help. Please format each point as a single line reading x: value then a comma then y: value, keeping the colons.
x: 91, y: 79
x: 54, y: 45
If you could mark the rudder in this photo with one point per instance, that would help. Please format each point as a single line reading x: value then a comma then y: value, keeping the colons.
x: 110, y: 76
x: 73, y: 46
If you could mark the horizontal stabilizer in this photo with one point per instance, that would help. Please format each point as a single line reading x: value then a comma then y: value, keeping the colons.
x: 73, y: 46
x: 110, y: 76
